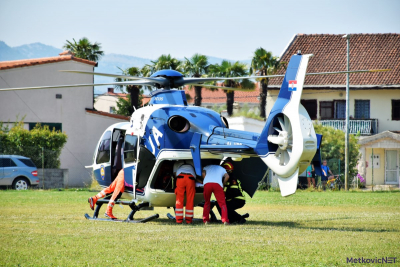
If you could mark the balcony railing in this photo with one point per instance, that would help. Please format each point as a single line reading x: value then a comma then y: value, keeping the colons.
x: 365, y: 127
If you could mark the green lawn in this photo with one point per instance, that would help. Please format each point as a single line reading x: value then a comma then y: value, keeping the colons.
x: 47, y: 228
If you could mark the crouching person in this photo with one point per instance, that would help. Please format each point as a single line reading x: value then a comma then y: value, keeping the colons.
x: 234, y: 196
x: 116, y: 187
x: 214, y: 177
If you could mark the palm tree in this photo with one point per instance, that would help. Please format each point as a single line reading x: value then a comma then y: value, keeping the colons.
x: 263, y: 63
x: 165, y: 62
x: 229, y: 69
x: 196, y: 66
x: 84, y: 49
x: 133, y: 90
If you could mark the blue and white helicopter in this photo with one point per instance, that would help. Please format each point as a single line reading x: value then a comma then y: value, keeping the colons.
x: 168, y: 130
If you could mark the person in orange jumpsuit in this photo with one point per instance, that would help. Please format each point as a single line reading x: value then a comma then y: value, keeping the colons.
x: 185, y: 182
x: 116, y: 187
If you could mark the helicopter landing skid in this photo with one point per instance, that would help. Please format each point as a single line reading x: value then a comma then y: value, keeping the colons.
x: 155, y: 216
x: 130, y: 219
x: 171, y: 217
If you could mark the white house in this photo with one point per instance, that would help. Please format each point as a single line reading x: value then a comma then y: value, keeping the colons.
x: 374, y: 97
x: 67, y: 109
x: 107, y: 102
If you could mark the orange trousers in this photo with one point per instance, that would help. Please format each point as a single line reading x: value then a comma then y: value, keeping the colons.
x: 115, y: 187
x: 184, y: 183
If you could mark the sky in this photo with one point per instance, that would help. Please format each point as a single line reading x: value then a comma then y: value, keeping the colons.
x: 231, y: 29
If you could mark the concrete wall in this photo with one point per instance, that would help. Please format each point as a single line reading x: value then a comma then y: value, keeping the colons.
x: 380, y: 103
x: 104, y: 102
x: 379, y: 170
x: 83, y: 129
x: 53, y: 178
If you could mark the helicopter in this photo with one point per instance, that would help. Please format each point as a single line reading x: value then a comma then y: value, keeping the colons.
x: 168, y: 130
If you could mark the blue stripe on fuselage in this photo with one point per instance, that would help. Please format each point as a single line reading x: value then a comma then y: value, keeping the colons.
x: 291, y: 73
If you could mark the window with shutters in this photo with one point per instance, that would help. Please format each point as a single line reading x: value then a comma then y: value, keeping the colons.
x: 340, y: 109
x: 361, y: 109
x: 396, y: 109
x: 311, y: 107
x: 326, y: 110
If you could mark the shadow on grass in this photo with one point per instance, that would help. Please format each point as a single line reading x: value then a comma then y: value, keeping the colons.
x: 302, y: 226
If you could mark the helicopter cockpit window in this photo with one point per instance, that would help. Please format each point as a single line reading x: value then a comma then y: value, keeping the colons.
x: 130, y: 148
x: 103, y: 152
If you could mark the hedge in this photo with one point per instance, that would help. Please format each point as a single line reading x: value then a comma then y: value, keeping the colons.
x: 20, y: 141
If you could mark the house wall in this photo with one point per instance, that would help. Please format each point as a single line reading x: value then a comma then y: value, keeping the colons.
x: 83, y: 129
x: 104, y: 102
x: 380, y: 103
x: 380, y: 147
x: 379, y: 170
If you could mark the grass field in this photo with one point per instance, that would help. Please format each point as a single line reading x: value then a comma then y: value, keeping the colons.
x: 47, y: 228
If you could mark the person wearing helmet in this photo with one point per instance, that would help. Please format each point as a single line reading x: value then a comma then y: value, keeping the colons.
x: 235, y: 198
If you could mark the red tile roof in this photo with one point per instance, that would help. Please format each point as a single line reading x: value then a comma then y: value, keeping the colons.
x: 37, y: 61
x: 367, y: 51
x: 106, y: 114
x: 218, y: 96
x: 122, y: 95
x: 145, y: 98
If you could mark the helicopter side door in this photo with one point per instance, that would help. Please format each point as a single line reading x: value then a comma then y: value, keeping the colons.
x: 131, y: 155
x: 138, y: 164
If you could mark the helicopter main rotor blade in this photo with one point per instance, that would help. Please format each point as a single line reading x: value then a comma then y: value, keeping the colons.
x: 79, y: 85
x: 160, y: 80
x: 222, y: 87
x: 350, y: 71
x: 215, y: 79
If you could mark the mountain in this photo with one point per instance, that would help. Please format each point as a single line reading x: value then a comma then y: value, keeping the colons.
x: 35, y: 50
x: 109, y: 63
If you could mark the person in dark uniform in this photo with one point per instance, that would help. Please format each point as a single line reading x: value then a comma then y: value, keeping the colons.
x: 234, y: 196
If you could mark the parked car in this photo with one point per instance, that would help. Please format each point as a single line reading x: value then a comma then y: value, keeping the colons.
x: 18, y: 172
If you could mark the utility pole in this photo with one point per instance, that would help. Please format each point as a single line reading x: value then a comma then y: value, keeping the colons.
x: 346, y: 140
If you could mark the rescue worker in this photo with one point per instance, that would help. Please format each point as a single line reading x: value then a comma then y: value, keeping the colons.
x: 214, y: 177
x: 235, y: 198
x: 185, y: 182
x: 116, y: 187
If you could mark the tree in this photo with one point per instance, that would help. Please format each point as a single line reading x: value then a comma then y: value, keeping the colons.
x: 196, y: 66
x: 125, y: 106
x: 31, y: 144
x: 229, y: 69
x: 332, y: 147
x: 85, y: 49
x: 263, y: 63
x: 165, y: 62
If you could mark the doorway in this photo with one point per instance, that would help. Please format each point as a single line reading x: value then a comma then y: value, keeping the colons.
x: 392, y: 166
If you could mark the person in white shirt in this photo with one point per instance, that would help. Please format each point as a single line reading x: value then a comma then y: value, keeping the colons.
x: 214, y: 178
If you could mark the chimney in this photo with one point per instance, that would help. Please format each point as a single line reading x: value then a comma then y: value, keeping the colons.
x: 110, y: 90
x: 66, y: 53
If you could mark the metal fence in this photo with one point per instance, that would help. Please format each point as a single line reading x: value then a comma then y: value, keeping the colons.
x: 364, y: 127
